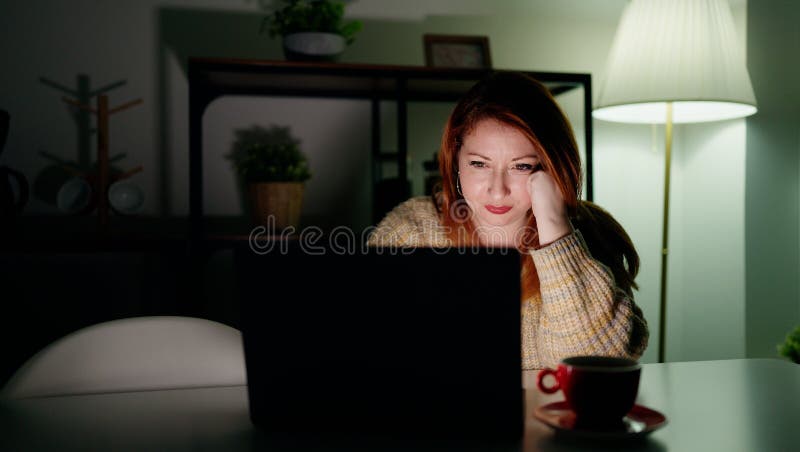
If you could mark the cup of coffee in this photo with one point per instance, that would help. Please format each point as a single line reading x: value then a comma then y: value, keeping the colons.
x: 599, y: 390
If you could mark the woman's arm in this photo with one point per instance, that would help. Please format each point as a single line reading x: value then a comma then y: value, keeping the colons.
x: 583, y: 312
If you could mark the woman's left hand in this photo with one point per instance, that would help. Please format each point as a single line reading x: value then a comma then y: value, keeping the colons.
x: 548, y: 207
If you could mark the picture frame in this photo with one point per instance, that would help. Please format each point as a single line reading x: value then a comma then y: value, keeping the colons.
x: 457, y: 51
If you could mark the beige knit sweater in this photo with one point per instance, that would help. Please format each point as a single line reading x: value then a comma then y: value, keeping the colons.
x: 580, y: 310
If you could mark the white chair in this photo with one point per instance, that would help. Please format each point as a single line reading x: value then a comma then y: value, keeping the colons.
x: 134, y: 354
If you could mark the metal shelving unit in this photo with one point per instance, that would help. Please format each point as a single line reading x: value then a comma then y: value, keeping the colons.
x: 210, y: 78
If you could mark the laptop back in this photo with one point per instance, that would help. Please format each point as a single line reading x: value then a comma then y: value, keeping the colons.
x: 419, y: 343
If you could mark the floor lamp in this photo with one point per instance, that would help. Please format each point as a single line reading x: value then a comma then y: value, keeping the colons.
x: 674, y: 61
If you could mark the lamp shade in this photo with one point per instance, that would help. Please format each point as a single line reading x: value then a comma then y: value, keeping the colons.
x: 680, y: 51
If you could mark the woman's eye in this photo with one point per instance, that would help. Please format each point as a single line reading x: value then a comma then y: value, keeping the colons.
x: 477, y: 164
x: 523, y: 168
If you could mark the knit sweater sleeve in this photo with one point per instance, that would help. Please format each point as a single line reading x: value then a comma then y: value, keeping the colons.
x: 583, y: 312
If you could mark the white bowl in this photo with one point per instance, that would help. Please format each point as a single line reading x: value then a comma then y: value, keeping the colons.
x: 313, y: 46
x: 74, y: 195
x: 125, y: 197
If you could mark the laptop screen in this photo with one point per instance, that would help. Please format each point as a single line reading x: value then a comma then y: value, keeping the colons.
x: 426, y: 341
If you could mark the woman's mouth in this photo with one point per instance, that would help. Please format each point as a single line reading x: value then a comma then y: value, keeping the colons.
x: 499, y: 210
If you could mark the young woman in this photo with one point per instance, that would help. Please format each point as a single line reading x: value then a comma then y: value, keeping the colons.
x: 511, y: 178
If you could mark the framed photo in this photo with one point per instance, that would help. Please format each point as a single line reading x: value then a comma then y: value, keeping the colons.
x: 457, y: 51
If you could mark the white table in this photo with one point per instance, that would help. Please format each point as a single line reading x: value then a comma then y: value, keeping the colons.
x: 733, y: 405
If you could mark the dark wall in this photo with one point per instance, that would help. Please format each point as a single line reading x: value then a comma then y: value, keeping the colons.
x: 772, y: 188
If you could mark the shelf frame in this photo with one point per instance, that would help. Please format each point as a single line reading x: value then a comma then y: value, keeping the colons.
x: 210, y: 78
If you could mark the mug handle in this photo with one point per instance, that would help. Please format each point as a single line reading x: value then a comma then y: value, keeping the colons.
x: 540, y: 381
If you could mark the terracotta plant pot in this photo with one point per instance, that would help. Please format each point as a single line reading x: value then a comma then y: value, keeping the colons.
x: 281, y: 200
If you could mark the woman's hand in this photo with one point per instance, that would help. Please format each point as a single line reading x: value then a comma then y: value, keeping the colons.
x: 548, y: 207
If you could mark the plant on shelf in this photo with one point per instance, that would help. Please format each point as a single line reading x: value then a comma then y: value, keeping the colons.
x: 274, y: 169
x: 312, y: 30
x: 791, y: 346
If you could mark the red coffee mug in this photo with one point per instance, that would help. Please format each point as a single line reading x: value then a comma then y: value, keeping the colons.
x: 600, y: 390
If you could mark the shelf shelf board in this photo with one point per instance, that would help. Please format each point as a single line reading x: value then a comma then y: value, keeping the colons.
x: 344, y: 80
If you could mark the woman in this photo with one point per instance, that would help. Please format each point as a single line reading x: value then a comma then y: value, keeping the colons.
x: 511, y: 177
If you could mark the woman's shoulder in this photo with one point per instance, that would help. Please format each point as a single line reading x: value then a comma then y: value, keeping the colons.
x: 419, y: 212
x: 408, y: 223
x: 418, y: 207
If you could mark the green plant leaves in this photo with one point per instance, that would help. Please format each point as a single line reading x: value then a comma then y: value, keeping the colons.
x: 349, y: 30
x: 309, y: 15
x: 791, y: 347
x: 268, y: 155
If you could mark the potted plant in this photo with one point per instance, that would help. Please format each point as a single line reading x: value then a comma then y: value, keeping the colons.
x: 312, y: 30
x: 272, y: 166
x: 791, y: 347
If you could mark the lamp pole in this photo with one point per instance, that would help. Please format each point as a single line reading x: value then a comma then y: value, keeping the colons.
x: 662, y: 324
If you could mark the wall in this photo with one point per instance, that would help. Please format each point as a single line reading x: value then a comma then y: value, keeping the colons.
x: 773, y: 172
x: 707, y: 237
x: 146, y: 43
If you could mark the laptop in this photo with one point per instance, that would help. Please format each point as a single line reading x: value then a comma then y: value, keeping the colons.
x: 410, y: 343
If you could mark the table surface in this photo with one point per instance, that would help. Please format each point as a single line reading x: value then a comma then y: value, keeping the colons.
x: 730, y: 405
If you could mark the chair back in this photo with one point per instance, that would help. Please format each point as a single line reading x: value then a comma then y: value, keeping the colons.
x: 134, y: 354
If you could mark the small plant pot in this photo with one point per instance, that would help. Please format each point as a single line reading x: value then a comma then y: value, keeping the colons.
x: 277, y: 204
x: 313, y: 46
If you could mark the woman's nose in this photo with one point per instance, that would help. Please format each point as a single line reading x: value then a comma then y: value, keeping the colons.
x: 498, y: 188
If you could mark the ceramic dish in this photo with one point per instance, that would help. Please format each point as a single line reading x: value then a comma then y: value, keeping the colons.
x: 640, y: 421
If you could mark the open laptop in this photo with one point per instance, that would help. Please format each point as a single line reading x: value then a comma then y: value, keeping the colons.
x: 412, y: 343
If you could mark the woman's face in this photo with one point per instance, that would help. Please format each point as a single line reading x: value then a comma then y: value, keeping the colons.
x: 495, y: 162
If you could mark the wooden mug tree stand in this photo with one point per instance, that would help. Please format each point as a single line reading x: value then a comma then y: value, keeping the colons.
x: 103, y: 112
